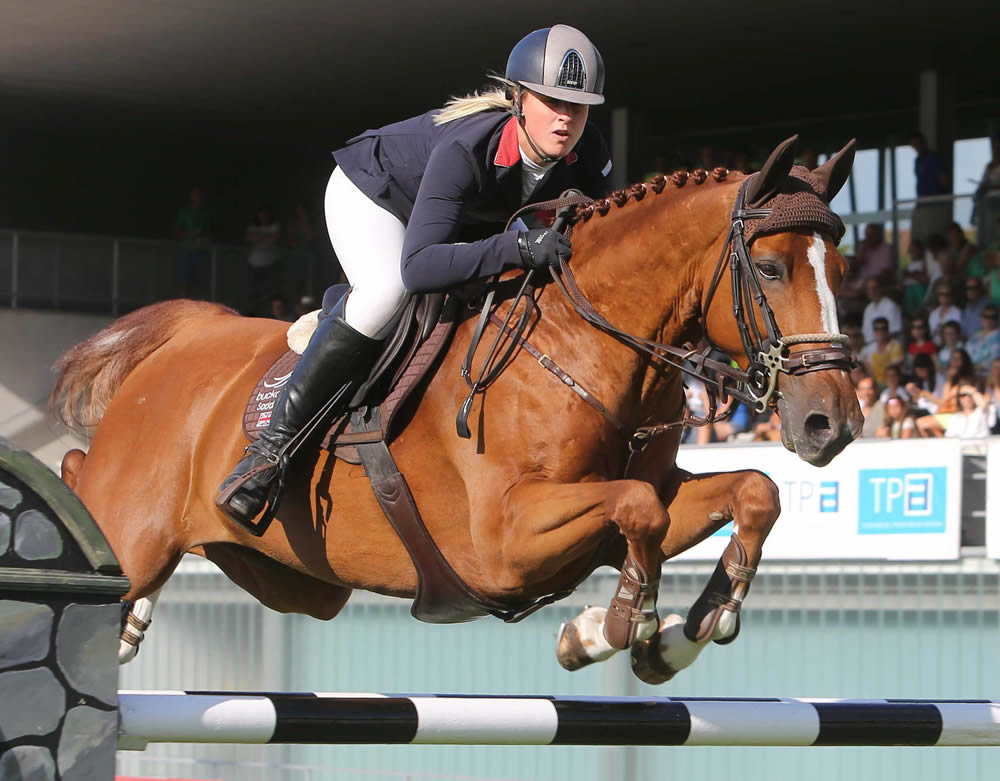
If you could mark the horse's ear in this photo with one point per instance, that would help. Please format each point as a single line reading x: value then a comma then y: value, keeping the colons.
x: 834, y: 172
x: 767, y: 182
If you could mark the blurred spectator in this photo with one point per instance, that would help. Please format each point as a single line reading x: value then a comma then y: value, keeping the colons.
x: 972, y: 312
x: 855, y: 338
x: 986, y: 216
x: 301, y: 256
x: 962, y: 252
x: 951, y: 340
x: 697, y: 404
x: 973, y: 418
x: 992, y: 390
x: 871, y: 408
x: 944, y: 311
x: 881, y: 352
x: 928, y: 218
x: 875, y: 258
x: 880, y: 305
x: 923, y: 388
x: 960, y: 372
x: 898, y: 423
x: 991, y: 278
x: 193, y: 228
x: 859, y: 372
x: 920, y: 340
x: 738, y: 422
x: 263, y: 234
x: 768, y: 430
x: 917, y: 277
x: 279, y: 309
x: 984, y: 344
x: 894, y: 385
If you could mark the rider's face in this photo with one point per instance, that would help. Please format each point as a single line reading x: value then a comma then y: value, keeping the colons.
x: 555, y: 126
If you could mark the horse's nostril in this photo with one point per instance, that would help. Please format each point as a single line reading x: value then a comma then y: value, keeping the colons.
x: 818, y: 426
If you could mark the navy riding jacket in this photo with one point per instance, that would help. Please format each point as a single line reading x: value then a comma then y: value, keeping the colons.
x: 460, y: 182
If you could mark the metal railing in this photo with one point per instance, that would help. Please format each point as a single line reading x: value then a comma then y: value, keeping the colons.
x: 114, y: 274
x: 901, y: 211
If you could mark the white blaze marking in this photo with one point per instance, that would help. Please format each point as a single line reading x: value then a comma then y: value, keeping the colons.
x: 828, y: 305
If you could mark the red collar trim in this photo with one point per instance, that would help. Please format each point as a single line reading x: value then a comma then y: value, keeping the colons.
x: 508, y: 150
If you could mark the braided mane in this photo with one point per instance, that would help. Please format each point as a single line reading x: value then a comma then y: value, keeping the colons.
x: 638, y: 191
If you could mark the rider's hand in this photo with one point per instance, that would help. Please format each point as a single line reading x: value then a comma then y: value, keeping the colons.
x: 543, y: 247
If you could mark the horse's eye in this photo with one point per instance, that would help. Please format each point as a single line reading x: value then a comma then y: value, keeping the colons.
x: 769, y: 270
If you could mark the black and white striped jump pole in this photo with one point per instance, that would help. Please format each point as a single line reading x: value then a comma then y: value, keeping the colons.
x: 353, y: 718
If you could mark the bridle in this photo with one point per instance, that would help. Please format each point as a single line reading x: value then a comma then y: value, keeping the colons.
x: 768, y: 353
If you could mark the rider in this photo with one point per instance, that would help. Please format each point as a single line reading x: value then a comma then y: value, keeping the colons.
x: 406, y: 202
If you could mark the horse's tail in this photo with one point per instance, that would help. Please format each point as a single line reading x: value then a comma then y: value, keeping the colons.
x: 91, y: 373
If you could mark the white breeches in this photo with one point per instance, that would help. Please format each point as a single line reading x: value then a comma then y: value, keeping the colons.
x: 368, y: 241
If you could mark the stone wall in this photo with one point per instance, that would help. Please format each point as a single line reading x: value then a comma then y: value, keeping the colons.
x: 59, y: 626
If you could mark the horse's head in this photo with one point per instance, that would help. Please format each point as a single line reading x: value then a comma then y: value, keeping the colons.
x: 783, y: 259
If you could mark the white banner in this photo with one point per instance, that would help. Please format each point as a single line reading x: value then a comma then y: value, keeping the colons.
x: 879, y: 499
x: 993, y: 498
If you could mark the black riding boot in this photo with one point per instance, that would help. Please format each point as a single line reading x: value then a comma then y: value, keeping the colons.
x: 336, y: 360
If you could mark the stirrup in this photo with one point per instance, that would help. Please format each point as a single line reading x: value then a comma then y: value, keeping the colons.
x: 258, y: 527
x: 282, y: 458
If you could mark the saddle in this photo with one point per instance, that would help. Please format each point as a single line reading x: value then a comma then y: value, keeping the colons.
x: 423, y: 331
x: 362, y: 436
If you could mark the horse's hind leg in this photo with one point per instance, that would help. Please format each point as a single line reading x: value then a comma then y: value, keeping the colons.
x: 275, y: 585
x: 703, y: 504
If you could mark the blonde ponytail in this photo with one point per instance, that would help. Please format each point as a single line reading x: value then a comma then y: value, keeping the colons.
x: 499, y: 97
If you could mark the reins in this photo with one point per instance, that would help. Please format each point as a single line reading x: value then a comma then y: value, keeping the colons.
x: 768, y: 353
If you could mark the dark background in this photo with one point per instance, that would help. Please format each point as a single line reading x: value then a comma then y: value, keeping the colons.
x: 110, y: 110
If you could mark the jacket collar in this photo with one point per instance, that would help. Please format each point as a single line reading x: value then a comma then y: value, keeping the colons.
x: 509, y: 151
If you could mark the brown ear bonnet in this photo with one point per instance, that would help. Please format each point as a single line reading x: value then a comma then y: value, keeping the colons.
x: 799, y: 198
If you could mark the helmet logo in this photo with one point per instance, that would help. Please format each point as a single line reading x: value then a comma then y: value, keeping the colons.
x: 572, y: 71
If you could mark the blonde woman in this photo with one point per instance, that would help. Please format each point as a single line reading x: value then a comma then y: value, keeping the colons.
x: 408, y: 207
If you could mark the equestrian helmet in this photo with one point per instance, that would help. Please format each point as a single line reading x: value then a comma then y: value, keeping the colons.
x: 559, y: 62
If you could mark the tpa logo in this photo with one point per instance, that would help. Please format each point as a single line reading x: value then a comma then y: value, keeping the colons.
x: 902, y: 501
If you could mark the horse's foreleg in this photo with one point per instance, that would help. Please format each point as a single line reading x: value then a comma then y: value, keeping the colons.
x: 548, y: 524
x: 702, y: 505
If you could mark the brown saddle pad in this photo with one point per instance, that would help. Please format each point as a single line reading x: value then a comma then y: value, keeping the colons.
x: 414, y: 367
x: 257, y: 415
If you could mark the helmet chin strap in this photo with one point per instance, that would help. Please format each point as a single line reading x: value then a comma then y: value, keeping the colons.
x: 524, y: 126
x: 534, y: 147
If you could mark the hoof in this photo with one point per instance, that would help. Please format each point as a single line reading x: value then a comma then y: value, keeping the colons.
x: 126, y: 652
x: 647, y: 664
x: 581, y: 641
x: 726, y: 639
x: 136, y: 618
x: 666, y: 653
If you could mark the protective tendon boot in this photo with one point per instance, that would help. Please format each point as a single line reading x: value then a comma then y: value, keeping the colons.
x: 336, y: 361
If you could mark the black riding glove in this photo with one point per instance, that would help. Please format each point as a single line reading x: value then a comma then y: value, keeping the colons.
x: 543, y: 247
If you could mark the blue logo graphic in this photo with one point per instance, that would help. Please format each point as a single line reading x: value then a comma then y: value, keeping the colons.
x: 902, y: 501
x: 829, y: 496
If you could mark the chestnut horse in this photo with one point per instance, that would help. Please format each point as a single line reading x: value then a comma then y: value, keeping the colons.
x: 537, y: 499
